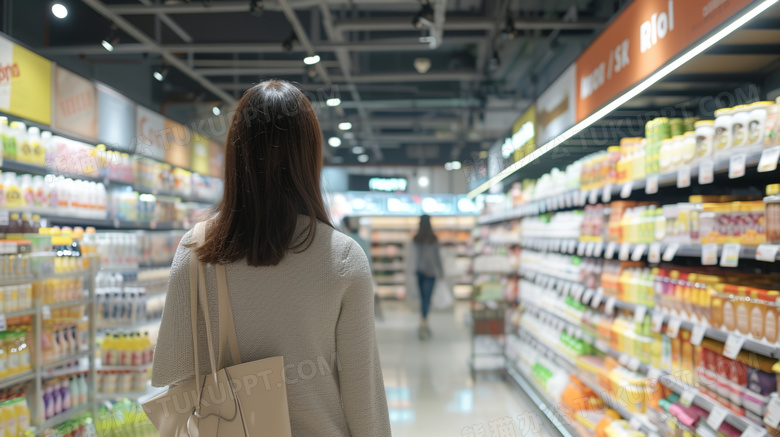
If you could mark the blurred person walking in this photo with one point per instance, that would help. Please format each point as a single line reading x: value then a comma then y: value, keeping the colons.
x: 428, y: 268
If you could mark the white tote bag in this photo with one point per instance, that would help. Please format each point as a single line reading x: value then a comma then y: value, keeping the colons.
x: 248, y: 399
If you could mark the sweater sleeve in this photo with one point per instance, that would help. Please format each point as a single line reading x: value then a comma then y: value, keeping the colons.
x: 360, y: 375
x: 173, y: 355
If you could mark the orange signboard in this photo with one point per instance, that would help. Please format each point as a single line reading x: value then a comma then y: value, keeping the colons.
x: 177, y: 143
x: 647, y: 35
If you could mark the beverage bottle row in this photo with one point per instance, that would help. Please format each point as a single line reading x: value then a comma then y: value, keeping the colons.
x: 63, y: 394
x: 14, y: 352
x: 126, y: 349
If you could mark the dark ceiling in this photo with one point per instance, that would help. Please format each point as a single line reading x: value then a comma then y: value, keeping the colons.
x: 479, y: 80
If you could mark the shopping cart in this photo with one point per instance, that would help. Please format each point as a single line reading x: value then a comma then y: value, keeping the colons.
x: 488, y: 331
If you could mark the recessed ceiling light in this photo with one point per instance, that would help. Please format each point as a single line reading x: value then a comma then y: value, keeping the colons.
x: 345, y: 125
x: 363, y: 158
x: 423, y: 181
x: 334, y: 141
x: 107, y: 45
x: 59, y: 10
x: 216, y: 111
x: 333, y: 102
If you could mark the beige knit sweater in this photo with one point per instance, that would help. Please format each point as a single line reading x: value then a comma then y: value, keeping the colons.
x: 315, y: 309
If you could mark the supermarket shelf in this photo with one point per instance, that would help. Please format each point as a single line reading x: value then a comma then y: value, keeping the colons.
x: 65, y: 371
x: 22, y: 313
x: 141, y: 368
x: 44, y: 277
x: 68, y: 303
x: 20, y: 167
x: 19, y: 378
x: 560, y: 356
x: 66, y: 416
x: 645, y: 425
x: 601, y: 249
x: 64, y: 361
x: 574, y: 198
x: 540, y: 398
x: 137, y: 326
x: 583, y: 295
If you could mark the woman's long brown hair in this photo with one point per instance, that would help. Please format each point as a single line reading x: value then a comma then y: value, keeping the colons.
x: 425, y: 233
x: 273, y: 161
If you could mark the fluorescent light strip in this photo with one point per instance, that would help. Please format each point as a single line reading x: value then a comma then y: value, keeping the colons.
x: 620, y: 101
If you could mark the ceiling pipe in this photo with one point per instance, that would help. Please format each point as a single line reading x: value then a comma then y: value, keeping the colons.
x: 251, y: 63
x: 243, y: 6
x: 445, y: 76
x: 345, y: 64
x: 172, y: 59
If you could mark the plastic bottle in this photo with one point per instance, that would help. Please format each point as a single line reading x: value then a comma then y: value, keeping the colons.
x: 7, y: 150
x: 48, y: 400
x: 56, y: 396
x: 83, y: 391
x: 37, y: 151
x: 13, y: 192
x: 24, y: 351
x: 73, y: 386
x: 66, y: 395
x: 9, y: 417
x: 22, y: 411
x: 49, y: 148
x: 13, y: 353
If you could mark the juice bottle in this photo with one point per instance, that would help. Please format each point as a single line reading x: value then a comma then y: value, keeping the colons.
x: 13, y: 353
x: 22, y: 411
x: 8, y: 415
x: 24, y: 351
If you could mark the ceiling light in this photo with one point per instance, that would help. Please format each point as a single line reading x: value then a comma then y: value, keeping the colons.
x: 311, y: 60
x: 363, y: 158
x: 216, y: 111
x: 424, y: 17
x: 333, y: 102
x: 334, y: 141
x: 59, y: 10
x: 287, y: 44
x: 112, y: 39
x: 423, y: 181
x: 448, y: 166
x: 626, y: 97
x: 357, y: 150
x: 422, y: 65
x: 456, y: 165
x: 160, y: 75
x: 345, y: 125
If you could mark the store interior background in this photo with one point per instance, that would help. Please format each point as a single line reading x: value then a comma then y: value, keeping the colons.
x: 562, y: 147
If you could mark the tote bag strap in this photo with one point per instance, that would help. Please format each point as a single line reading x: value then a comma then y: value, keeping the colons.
x: 198, y: 292
x: 227, y: 326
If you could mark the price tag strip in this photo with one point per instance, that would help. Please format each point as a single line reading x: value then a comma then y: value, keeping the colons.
x: 609, y: 308
x: 625, y: 192
x: 625, y: 252
x: 670, y: 252
x: 706, y: 172
x: 634, y: 364
x: 654, y: 254
x: 684, y: 177
x: 673, y: 327
x: 596, y: 301
x: 730, y: 255
x: 609, y: 253
x: 709, y: 254
x: 767, y: 252
x: 652, y: 185
x: 687, y: 397
x: 697, y: 334
x: 657, y: 321
x: 772, y: 416
x: 737, y: 166
x: 717, y: 416
x: 769, y: 158
x: 733, y: 346
x: 639, y: 252
x: 639, y: 314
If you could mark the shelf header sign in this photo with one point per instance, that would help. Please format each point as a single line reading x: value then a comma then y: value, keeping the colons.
x: 75, y: 104
x: 25, y: 83
x: 647, y: 35
x: 523, y: 140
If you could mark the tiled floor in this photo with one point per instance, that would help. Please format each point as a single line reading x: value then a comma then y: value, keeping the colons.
x: 429, y: 387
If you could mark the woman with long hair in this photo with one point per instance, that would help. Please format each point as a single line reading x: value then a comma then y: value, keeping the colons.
x: 298, y: 288
x: 428, y: 268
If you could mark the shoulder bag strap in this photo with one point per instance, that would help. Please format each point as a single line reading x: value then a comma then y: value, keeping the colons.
x: 198, y: 293
x: 227, y: 326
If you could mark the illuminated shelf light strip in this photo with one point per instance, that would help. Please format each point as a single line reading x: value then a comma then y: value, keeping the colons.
x: 620, y: 101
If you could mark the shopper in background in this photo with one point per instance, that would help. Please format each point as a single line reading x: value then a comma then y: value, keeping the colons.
x: 351, y: 228
x: 428, y: 266
x: 298, y: 288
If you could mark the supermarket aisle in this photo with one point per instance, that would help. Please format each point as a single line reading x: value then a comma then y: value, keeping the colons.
x: 429, y: 388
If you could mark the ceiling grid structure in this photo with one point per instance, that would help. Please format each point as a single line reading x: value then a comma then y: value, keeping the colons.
x: 370, y: 50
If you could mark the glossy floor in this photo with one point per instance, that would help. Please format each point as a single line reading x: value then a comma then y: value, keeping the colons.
x: 429, y: 387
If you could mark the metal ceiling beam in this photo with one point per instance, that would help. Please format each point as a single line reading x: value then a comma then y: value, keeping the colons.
x: 380, y: 45
x: 250, y: 63
x: 406, y: 104
x: 303, y: 38
x: 345, y: 64
x: 248, y: 71
x: 445, y: 76
x: 172, y: 59
x: 181, y: 33
x: 243, y: 6
x: 459, y: 23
